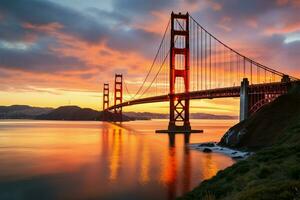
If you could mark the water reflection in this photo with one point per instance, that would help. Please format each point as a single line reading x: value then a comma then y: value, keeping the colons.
x: 145, y: 164
x: 80, y: 160
x: 171, y: 172
x: 116, y: 153
x: 172, y: 138
x: 187, y: 167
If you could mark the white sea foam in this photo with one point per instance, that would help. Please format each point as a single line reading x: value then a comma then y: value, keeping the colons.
x: 206, y: 147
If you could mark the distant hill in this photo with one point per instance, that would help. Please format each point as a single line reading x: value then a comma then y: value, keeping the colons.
x: 75, y: 113
x: 211, y: 116
x: 22, y: 112
x: 148, y: 115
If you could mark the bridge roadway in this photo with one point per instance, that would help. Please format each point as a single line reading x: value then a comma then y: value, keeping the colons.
x: 265, y: 88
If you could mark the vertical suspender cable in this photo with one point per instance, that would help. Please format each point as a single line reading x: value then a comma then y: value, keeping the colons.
x: 209, y: 62
x: 205, y: 61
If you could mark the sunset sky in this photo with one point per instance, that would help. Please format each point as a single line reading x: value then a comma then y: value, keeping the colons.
x: 60, y: 52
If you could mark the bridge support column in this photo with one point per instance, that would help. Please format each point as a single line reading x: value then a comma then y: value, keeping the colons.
x: 118, y: 97
x: 244, y: 99
x: 179, y: 107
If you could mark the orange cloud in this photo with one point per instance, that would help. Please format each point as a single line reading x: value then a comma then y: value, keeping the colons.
x: 295, y: 3
x: 252, y: 23
x: 47, y: 28
x: 224, y: 23
x: 282, y: 2
x: 216, y: 6
x: 151, y: 25
x: 283, y: 29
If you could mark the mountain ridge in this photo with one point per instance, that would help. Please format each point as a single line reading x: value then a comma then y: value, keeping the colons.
x: 30, y: 112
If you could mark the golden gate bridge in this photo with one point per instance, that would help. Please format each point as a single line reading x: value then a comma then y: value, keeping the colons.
x: 191, y: 63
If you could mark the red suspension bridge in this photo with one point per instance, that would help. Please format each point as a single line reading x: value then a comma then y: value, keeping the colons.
x: 191, y: 63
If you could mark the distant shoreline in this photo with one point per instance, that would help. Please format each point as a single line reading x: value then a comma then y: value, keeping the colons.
x: 75, y: 113
x: 27, y: 119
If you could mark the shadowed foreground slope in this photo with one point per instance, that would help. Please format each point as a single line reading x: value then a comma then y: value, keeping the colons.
x: 274, y: 171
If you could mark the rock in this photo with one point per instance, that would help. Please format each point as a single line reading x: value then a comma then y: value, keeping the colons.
x: 233, y: 137
x: 208, y: 144
x: 237, y: 157
x: 207, y: 150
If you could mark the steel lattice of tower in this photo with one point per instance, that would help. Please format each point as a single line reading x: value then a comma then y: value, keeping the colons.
x: 105, y: 96
x: 179, y: 108
x: 118, y: 97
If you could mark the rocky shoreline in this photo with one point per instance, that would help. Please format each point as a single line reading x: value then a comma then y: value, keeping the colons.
x: 273, y: 171
x: 210, y: 147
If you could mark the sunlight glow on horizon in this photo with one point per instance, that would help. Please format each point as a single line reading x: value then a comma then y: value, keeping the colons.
x: 51, y: 62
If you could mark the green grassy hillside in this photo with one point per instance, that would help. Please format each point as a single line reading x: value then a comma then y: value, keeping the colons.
x: 268, y: 126
x: 274, y: 171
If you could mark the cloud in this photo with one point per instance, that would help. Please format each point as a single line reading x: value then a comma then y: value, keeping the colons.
x: 59, y: 40
x: 283, y: 29
x: 45, y: 12
x: 61, y: 45
x: 132, y: 7
x: 38, y: 58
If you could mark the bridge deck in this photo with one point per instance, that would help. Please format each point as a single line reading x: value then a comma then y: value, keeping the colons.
x: 270, y: 88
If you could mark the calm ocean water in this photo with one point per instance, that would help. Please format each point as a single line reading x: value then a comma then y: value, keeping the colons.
x: 47, y: 160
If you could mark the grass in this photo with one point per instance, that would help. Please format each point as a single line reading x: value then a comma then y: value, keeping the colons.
x: 273, y: 173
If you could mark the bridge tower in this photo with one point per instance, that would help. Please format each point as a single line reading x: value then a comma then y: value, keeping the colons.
x: 179, y: 108
x: 105, y: 96
x: 118, y: 97
x: 179, y: 119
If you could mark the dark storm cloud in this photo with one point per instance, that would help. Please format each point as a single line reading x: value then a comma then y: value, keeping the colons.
x: 11, y: 30
x: 37, y: 55
x: 85, y: 27
x: 246, y: 8
x: 115, y: 27
x: 122, y: 36
x: 37, y: 59
x: 111, y: 16
x: 134, y: 7
x: 44, y: 12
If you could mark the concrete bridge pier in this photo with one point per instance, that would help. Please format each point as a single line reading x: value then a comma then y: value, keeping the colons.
x: 244, y: 99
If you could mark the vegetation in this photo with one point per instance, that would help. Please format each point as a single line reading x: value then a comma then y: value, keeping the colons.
x: 273, y: 172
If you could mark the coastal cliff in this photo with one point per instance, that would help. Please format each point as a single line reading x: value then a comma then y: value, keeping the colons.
x: 266, y: 127
x: 273, y: 172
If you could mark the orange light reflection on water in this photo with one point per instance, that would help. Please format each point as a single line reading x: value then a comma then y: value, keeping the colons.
x: 103, y: 160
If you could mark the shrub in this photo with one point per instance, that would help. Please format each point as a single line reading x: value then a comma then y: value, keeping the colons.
x: 264, y: 172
